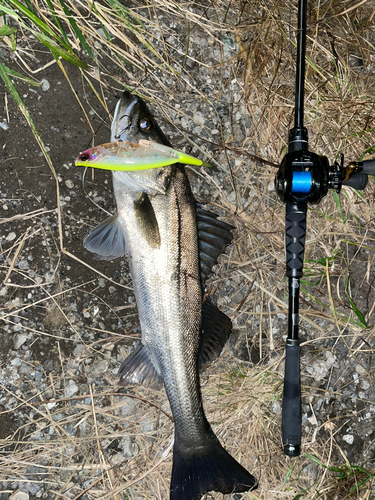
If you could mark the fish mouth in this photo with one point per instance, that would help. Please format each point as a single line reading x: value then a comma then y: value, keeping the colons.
x: 122, y: 119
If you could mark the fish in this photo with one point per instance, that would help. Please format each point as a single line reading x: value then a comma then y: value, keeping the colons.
x: 130, y: 156
x: 172, y: 244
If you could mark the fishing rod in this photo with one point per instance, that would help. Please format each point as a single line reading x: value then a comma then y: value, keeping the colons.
x: 303, y: 177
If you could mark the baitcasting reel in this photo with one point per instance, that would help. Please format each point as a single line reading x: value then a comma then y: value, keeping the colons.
x: 304, y: 177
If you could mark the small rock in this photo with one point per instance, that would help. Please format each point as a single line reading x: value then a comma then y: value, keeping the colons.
x: 127, y: 447
x: 348, y: 438
x: 275, y: 407
x: 365, y: 385
x: 360, y: 370
x: 23, y: 265
x: 199, y: 118
x: 231, y: 197
x: 71, y: 389
x: 78, y: 350
x: 45, y: 85
x: 11, y: 237
x: 26, y: 369
x: 311, y: 471
x: 19, y: 340
x: 19, y: 495
x: 69, y: 183
x: 98, y: 368
x: 117, y: 459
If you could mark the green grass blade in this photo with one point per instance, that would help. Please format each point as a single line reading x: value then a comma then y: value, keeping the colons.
x: 30, y: 6
x: 7, y: 30
x: 27, y: 13
x: 57, y: 22
x: 326, y: 306
x: 367, y: 152
x: 58, y: 51
x: 76, y: 30
x: 105, y: 31
x: 288, y: 474
x: 318, y: 462
x: 357, y: 312
x: 125, y: 14
x: 26, y: 79
x: 338, y: 205
x: 46, y: 30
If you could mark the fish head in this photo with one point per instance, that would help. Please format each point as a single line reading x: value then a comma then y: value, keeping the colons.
x: 133, y: 121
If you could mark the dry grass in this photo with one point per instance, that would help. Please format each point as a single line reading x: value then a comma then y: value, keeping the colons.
x: 158, y: 54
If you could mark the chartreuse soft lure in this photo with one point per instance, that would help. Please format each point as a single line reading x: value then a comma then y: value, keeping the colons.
x: 129, y: 156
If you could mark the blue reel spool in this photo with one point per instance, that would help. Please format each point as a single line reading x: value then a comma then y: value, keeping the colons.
x: 301, y: 182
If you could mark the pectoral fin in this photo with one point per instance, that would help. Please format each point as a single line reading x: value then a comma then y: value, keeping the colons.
x: 146, y: 218
x: 108, y: 240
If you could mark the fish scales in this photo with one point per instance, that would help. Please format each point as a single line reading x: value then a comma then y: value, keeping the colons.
x: 156, y: 225
x: 169, y: 274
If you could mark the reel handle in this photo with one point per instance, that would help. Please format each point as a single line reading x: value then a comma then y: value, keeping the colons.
x: 356, y: 174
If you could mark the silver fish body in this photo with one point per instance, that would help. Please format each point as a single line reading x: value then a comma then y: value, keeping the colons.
x: 159, y: 226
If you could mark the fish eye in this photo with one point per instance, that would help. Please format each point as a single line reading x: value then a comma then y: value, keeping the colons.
x: 145, y: 125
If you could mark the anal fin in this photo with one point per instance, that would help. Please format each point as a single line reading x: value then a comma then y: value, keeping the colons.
x: 138, y: 368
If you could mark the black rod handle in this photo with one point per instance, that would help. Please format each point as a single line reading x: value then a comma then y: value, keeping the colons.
x: 291, y: 412
x: 295, y: 233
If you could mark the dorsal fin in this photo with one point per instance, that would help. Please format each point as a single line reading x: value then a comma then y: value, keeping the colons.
x: 213, y: 236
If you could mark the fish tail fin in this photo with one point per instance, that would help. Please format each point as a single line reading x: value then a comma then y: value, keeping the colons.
x: 213, y: 469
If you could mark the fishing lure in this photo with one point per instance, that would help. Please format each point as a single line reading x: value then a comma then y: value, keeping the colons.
x: 129, y: 156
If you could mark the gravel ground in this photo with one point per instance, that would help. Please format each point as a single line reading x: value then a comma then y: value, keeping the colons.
x: 66, y: 326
